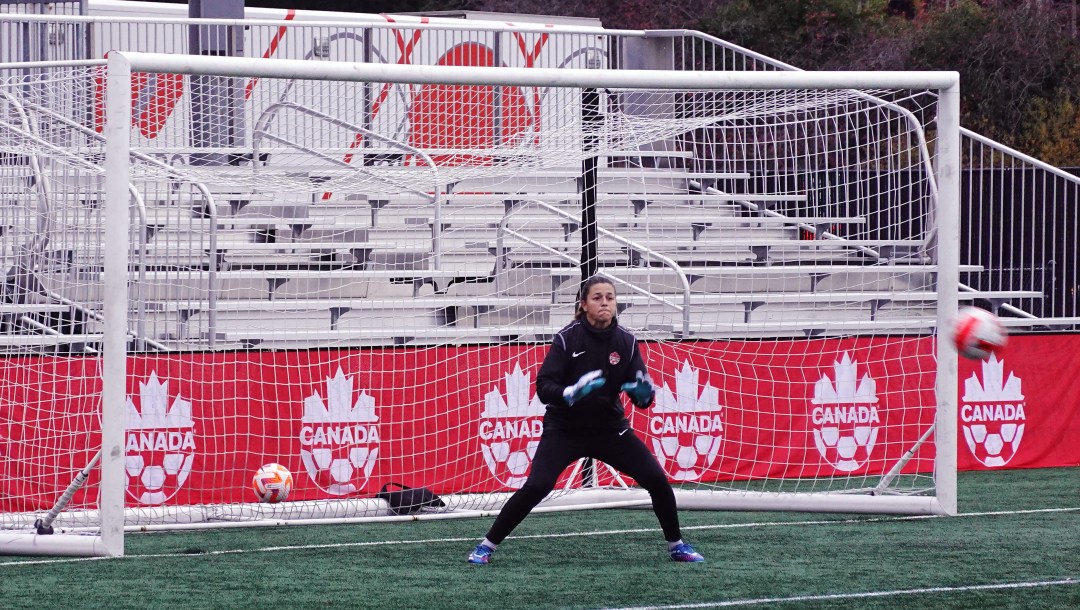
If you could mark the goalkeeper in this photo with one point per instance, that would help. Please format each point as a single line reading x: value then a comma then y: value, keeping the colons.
x: 590, y: 362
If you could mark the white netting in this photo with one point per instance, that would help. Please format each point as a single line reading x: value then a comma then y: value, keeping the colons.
x: 359, y: 281
x: 466, y: 132
x: 50, y: 186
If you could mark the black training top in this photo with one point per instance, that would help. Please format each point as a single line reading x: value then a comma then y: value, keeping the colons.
x: 577, y: 349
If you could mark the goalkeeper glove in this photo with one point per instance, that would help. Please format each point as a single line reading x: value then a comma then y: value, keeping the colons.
x: 587, y: 383
x: 640, y: 390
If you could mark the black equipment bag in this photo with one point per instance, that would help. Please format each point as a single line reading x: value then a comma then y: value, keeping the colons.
x: 406, y: 500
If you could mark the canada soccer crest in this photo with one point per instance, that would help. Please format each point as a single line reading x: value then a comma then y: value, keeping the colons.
x: 992, y: 414
x: 339, y: 439
x: 845, y: 418
x: 160, y: 443
x: 510, y: 429
x: 685, y: 426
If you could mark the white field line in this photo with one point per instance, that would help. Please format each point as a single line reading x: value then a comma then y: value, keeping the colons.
x: 859, y: 595
x: 620, y: 532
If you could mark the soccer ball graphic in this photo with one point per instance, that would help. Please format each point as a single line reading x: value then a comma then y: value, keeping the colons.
x: 510, y: 461
x: 510, y: 429
x: 994, y: 448
x: 685, y: 457
x: 685, y: 427
x: 978, y: 333
x: 160, y: 443
x: 846, y: 449
x: 340, y: 470
x: 272, y: 483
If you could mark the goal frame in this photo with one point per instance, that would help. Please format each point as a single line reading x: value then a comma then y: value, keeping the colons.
x: 121, y: 65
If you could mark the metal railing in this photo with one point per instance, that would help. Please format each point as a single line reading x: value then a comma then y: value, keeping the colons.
x: 502, y: 253
x: 28, y: 131
x: 435, y: 196
x: 1017, y: 213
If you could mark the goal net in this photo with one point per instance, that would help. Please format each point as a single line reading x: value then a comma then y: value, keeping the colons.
x: 355, y: 271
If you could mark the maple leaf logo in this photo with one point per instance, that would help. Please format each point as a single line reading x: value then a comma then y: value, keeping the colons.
x: 685, y: 427
x: 160, y: 443
x: 510, y: 428
x: 847, y: 389
x: 339, y: 441
x: 994, y: 387
x: 686, y: 398
x: 339, y: 406
x: 519, y: 401
x: 156, y: 411
x: 845, y: 421
x: 993, y: 414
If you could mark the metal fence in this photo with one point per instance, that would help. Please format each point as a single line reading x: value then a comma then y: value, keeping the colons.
x: 1019, y: 214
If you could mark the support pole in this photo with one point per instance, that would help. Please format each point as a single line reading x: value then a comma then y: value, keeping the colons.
x: 948, y: 280
x: 114, y: 352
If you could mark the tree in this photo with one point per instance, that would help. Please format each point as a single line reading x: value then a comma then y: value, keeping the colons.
x: 1018, y: 68
x: 1018, y: 60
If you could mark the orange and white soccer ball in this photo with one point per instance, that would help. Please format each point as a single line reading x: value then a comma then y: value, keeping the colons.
x: 272, y: 483
x: 978, y: 333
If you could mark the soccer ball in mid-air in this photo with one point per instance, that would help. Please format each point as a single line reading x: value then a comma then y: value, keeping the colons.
x: 272, y: 483
x: 978, y: 333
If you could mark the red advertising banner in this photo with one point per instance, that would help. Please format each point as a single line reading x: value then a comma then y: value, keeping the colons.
x: 782, y: 409
x: 466, y: 419
x: 1022, y: 410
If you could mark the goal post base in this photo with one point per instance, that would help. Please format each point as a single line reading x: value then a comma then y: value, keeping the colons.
x: 816, y: 503
x: 52, y: 545
x: 70, y: 542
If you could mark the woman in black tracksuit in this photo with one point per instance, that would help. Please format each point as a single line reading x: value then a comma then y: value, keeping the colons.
x: 591, y: 361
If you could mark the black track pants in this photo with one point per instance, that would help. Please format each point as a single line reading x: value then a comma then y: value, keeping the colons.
x: 558, y: 449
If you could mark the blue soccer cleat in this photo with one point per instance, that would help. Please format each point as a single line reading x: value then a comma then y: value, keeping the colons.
x: 685, y: 553
x: 482, y: 554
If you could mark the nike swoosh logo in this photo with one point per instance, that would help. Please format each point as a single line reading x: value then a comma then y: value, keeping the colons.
x: 623, y: 432
x: 576, y: 354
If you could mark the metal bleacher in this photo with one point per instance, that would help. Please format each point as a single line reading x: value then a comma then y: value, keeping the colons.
x: 281, y: 260
x: 298, y: 271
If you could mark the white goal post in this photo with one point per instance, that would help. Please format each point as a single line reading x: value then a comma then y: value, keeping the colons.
x: 327, y: 270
